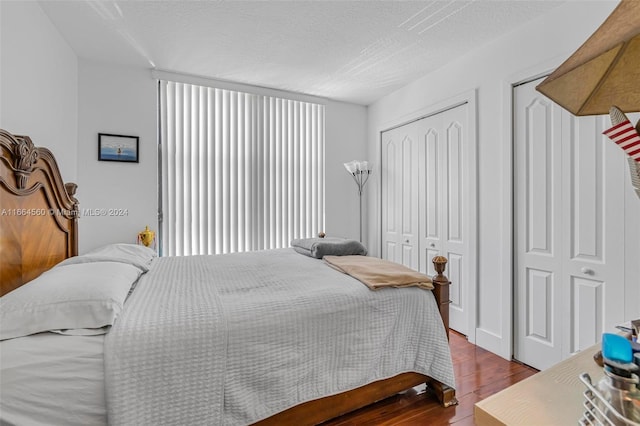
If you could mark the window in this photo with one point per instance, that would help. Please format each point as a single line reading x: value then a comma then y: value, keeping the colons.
x: 238, y: 171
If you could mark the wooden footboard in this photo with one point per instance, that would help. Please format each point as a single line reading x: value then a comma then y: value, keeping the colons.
x: 321, y: 410
x: 445, y: 394
x: 441, y: 290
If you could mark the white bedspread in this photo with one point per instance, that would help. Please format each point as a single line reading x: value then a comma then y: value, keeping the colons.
x: 49, y: 379
x: 233, y: 339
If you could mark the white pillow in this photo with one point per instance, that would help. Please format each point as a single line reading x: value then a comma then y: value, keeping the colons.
x: 133, y: 254
x: 89, y: 295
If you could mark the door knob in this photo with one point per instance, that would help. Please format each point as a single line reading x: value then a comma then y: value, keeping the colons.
x: 587, y: 271
x: 432, y: 245
x: 406, y: 241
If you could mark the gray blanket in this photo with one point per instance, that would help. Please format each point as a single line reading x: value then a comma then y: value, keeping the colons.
x: 329, y: 246
x: 233, y: 339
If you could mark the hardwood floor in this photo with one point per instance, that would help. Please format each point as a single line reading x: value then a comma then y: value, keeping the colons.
x: 479, y: 373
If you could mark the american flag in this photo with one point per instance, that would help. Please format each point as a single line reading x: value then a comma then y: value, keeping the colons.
x: 627, y: 137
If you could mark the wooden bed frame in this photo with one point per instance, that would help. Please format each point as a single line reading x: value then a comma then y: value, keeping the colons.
x: 39, y: 228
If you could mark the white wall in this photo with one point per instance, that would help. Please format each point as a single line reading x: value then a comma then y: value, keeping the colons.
x: 120, y: 100
x: 38, y: 83
x: 346, y: 134
x: 117, y: 100
x: 529, y: 51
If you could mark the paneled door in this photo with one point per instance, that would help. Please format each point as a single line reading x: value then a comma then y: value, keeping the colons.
x: 400, y: 195
x: 424, y: 197
x: 568, y: 230
x: 443, y: 214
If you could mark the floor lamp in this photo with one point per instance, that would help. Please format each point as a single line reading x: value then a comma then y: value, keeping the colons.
x: 360, y: 172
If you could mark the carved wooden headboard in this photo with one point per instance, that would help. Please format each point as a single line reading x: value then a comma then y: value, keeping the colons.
x: 38, y: 213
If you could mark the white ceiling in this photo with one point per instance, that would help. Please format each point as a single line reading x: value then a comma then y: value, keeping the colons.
x: 353, y: 51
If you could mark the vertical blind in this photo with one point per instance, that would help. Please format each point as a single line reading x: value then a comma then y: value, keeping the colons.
x: 239, y: 171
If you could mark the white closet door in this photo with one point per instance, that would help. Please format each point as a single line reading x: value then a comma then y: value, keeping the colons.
x: 442, y: 194
x: 399, y: 200
x: 568, y: 230
x: 538, y: 228
x: 431, y: 178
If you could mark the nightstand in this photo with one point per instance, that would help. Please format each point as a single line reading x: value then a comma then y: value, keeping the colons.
x: 551, y: 397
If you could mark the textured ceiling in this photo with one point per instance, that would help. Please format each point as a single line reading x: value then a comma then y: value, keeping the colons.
x: 353, y: 51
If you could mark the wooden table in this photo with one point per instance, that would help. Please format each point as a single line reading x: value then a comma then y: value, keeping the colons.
x: 548, y: 398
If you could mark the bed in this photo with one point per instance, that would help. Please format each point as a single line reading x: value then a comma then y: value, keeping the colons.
x: 299, y: 347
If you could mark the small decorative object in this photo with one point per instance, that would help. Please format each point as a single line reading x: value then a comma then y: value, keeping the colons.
x: 118, y: 148
x: 360, y: 171
x: 321, y: 234
x: 147, y: 237
x: 628, y: 138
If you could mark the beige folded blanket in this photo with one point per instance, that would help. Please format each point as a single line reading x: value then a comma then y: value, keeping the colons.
x: 378, y: 273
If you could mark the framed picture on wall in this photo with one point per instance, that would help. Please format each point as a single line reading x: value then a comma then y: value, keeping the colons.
x: 118, y: 148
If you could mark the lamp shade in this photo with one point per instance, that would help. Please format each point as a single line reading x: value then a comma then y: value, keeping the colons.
x: 351, y: 166
x: 605, y: 70
x: 356, y: 166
